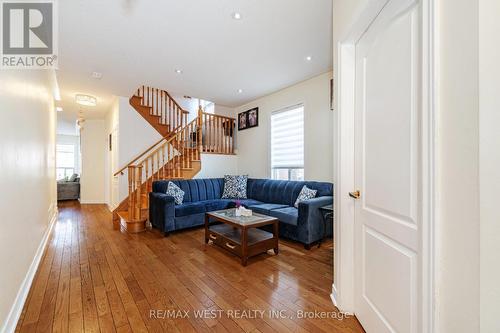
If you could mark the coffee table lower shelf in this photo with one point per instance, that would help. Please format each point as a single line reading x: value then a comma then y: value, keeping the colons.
x: 242, y: 242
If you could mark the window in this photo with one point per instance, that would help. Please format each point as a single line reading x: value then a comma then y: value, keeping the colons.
x: 287, y: 144
x: 207, y: 106
x: 65, y: 161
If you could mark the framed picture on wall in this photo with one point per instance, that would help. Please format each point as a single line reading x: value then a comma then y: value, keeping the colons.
x: 248, y: 119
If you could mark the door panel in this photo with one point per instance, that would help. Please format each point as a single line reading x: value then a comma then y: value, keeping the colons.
x: 387, y: 170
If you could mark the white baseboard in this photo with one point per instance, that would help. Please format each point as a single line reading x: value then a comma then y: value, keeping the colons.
x: 17, y: 308
x: 112, y: 207
x: 334, y: 296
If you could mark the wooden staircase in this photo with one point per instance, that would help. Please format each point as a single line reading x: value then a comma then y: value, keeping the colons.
x: 176, y: 156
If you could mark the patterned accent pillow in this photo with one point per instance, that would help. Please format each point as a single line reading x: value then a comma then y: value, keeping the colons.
x: 175, y: 191
x: 305, y: 194
x: 235, y: 187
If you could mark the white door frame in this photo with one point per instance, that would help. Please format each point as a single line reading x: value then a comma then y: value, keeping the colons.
x: 343, y: 287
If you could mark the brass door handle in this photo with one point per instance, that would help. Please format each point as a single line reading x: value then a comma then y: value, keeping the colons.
x: 356, y: 195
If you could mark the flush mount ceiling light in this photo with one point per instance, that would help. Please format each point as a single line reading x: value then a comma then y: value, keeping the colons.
x: 309, y: 58
x: 236, y: 16
x: 86, y: 100
x: 59, y: 109
x: 96, y: 75
x: 240, y: 91
x: 178, y: 71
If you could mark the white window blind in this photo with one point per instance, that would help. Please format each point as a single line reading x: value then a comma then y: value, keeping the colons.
x: 287, y: 139
x: 65, y: 157
x: 65, y: 161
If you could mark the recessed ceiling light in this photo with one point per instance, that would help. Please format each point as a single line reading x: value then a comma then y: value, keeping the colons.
x: 59, y: 109
x: 309, y: 58
x: 236, y: 16
x: 240, y: 91
x: 96, y: 75
x: 86, y: 100
x: 178, y: 71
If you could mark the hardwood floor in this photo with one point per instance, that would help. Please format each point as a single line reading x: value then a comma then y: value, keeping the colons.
x: 93, y: 278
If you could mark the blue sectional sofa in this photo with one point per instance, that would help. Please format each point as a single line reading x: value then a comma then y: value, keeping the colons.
x: 271, y: 197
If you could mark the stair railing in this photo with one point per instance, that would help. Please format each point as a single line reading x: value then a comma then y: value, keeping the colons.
x: 165, y: 161
x: 218, y: 133
x: 163, y: 106
x: 175, y: 153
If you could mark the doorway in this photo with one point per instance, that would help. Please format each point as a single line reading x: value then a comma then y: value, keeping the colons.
x: 385, y: 169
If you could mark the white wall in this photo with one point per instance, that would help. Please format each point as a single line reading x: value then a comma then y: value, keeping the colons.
x: 28, y: 197
x: 216, y: 166
x: 224, y: 110
x: 458, y: 168
x: 254, y: 144
x: 111, y: 163
x: 93, y: 147
x: 135, y: 134
x: 489, y: 161
x: 66, y: 126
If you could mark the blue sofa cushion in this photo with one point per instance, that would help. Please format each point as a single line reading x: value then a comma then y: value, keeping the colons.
x: 216, y: 204
x: 249, y: 202
x: 189, y: 208
x: 266, y: 207
x: 283, y: 191
x: 196, y: 189
x: 287, y: 215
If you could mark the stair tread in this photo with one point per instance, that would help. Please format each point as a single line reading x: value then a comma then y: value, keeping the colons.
x: 123, y: 214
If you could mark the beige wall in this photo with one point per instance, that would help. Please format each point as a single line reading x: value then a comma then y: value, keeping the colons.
x: 254, y: 144
x: 93, y: 148
x: 216, y: 166
x: 27, y: 178
x: 489, y: 161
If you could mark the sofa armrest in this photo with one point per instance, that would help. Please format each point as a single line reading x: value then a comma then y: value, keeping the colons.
x: 311, y: 218
x: 161, y: 211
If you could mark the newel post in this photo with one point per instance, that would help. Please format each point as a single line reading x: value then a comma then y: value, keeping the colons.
x: 138, y: 205
x: 131, y: 184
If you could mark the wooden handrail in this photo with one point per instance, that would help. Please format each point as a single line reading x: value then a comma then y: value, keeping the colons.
x: 219, y: 116
x: 168, y: 138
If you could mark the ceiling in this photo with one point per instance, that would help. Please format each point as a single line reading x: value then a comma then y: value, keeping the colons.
x: 135, y: 42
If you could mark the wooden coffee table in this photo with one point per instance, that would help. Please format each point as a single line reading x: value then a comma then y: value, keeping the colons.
x: 240, y: 234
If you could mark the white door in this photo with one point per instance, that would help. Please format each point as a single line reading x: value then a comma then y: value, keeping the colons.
x: 387, y: 170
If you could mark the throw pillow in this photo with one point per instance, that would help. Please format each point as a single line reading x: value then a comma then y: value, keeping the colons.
x: 305, y: 194
x: 175, y: 191
x: 235, y: 187
x: 73, y: 177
